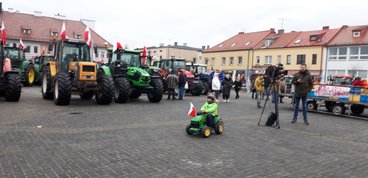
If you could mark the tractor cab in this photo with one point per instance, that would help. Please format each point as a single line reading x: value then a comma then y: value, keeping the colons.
x: 15, y: 55
x: 342, y: 80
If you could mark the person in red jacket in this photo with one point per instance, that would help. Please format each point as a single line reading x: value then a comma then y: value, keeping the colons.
x: 358, y: 82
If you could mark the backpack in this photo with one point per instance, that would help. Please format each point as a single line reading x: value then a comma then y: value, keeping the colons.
x: 272, y: 117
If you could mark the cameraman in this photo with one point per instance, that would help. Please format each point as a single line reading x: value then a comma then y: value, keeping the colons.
x: 303, y: 85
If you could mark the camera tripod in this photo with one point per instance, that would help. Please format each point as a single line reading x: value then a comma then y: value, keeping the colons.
x: 275, y: 83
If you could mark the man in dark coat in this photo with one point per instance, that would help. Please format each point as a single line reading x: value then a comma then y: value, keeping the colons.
x: 227, y: 83
x: 181, y: 85
x: 237, y: 86
x: 171, y: 83
x: 303, y: 85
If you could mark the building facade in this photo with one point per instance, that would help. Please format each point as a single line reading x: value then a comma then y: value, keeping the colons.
x: 347, y: 53
x: 37, y: 32
x: 191, y: 54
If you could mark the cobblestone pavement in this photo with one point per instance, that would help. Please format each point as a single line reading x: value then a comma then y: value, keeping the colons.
x: 142, y: 139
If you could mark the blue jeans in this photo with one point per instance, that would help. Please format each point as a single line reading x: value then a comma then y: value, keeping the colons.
x: 273, y: 97
x: 209, y: 118
x: 304, y: 106
x: 181, y: 92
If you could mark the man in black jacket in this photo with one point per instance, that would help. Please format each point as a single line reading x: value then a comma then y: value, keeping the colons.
x: 181, y: 85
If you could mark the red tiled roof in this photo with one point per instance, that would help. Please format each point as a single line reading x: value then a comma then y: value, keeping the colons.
x: 280, y: 40
x: 42, y: 27
x: 242, y: 41
x: 324, y: 36
x: 345, y: 36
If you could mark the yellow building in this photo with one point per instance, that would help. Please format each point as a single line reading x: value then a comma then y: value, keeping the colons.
x: 177, y: 51
x: 235, y: 53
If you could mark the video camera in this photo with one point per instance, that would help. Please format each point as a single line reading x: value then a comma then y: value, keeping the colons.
x: 274, y: 72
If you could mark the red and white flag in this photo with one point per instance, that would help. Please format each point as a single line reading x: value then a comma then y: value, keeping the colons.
x: 87, y: 36
x: 117, y: 46
x: 21, y: 44
x: 144, y: 55
x: 192, y: 111
x: 63, y: 32
x: 3, y: 33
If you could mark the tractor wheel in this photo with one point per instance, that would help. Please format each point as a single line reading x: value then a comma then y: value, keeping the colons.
x: 338, y: 109
x: 206, y: 132
x: 13, y: 87
x: 135, y: 93
x: 87, y: 95
x: 206, y: 88
x: 46, y: 84
x: 311, y: 105
x: 62, y: 89
x: 122, y: 89
x: 196, y: 88
x: 105, y: 92
x: 155, y: 95
x: 30, y: 75
x: 357, y: 109
x: 187, y: 128
x: 219, y: 127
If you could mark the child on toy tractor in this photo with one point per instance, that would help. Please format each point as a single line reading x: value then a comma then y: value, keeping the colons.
x: 206, y: 119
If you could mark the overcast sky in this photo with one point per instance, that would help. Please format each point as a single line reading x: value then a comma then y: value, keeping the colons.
x: 197, y: 22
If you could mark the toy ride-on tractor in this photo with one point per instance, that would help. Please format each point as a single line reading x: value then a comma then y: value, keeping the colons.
x: 199, y: 125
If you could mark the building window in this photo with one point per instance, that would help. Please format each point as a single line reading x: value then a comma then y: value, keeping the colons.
x: 78, y: 36
x: 240, y: 60
x: 358, y: 52
x: 35, y: 49
x: 54, y: 33
x: 258, y: 60
x: 288, y: 59
x: 27, y: 31
x: 342, y: 52
x: 268, y: 60
x: 300, y: 59
x: 335, y: 72
x: 223, y: 61
x: 267, y: 43
x: 213, y: 61
x: 358, y: 73
x: 279, y: 59
x: 356, y: 34
x: 102, y: 54
x: 313, y: 38
x: 314, y: 59
x: 27, y: 49
x: 233, y: 44
x: 231, y: 62
x: 206, y: 61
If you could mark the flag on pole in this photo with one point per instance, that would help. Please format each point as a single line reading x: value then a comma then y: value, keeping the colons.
x: 3, y: 33
x: 192, y: 111
x: 87, y: 37
x: 21, y: 45
x: 144, y: 55
x: 63, y: 32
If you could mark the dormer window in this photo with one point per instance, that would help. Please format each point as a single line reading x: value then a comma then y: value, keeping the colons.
x: 54, y: 33
x: 233, y: 44
x: 313, y: 38
x: 78, y: 36
x: 356, y: 34
x: 297, y: 41
x: 267, y: 43
x: 221, y: 45
x: 26, y: 31
x: 247, y: 43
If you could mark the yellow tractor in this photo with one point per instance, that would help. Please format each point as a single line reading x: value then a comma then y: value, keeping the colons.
x: 73, y: 72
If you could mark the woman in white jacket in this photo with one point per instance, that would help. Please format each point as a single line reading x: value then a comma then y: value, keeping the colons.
x: 216, y: 84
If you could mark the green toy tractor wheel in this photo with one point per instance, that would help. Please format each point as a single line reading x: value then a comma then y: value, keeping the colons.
x: 187, y: 129
x: 206, y: 132
x: 219, y: 127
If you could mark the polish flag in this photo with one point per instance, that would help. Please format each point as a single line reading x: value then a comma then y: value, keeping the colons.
x: 192, y: 111
x: 21, y: 44
x: 117, y: 46
x: 63, y: 32
x: 3, y: 33
x: 144, y: 55
x: 87, y: 37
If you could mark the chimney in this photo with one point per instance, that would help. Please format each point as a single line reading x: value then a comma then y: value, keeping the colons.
x: 325, y: 27
x: 175, y: 43
x: 280, y: 31
x: 344, y: 26
x: 203, y: 47
x: 272, y: 29
x: 208, y: 46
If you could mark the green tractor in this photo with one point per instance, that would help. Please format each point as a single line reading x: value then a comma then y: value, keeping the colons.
x: 198, y: 125
x: 10, y: 79
x: 73, y: 72
x: 29, y: 70
x: 131, y: 77
x: 41, y: 61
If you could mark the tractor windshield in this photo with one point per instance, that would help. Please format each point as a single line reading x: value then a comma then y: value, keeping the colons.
x: 76, y: 52
x: 132, y: 59
x: 13, y: 54
x: 178, y: 65
x: 202, y: 69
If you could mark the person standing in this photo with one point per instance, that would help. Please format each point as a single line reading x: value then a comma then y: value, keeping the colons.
x: 181, y: 84
x: 227, y: 83
x: 237, y: 86
x: 282, y: 86
x: 259, y: 85
x: 216, y: 84
x: 303, y: 85
x: 171, y: 83
x: 253, y: 88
